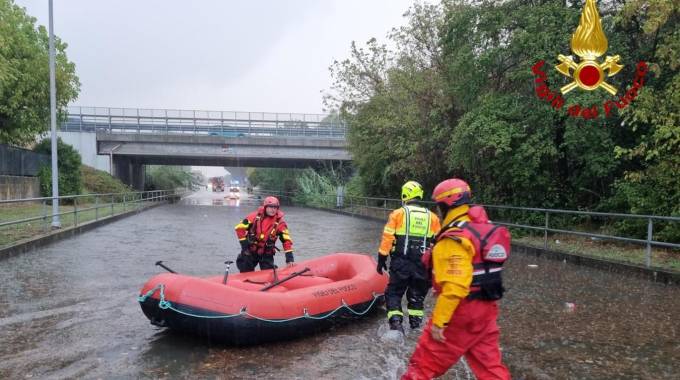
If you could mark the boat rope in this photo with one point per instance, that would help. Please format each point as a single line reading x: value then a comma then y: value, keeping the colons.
x: 165, y: 304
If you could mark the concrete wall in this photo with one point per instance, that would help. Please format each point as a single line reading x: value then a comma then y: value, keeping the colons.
x: 15, y: 187
x: 86, y: 144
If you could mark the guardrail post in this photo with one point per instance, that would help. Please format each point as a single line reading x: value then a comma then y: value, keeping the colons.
x: 545, y: 233
x: 45, y: 222
x: 111, y: 204
x: 123, y: 202
x: 96, y: 207
x: 648, y: 253
x: 75, y: 212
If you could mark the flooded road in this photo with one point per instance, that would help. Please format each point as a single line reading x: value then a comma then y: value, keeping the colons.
x: 69, y: 310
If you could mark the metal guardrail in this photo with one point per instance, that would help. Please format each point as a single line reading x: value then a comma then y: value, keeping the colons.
x: 210, y: 123
x: 112, y: 203
x: 374, y: 207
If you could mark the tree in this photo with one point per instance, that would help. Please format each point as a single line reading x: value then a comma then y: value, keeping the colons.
x: 24, y: 76
x: 651, y: 185
x: 395, y: 104
x: 68, y: 167
x: 168, y: 177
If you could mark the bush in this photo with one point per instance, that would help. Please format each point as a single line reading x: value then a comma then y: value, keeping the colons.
x: 100, y: 182
x: 68, y: 166
x: 167, y: 178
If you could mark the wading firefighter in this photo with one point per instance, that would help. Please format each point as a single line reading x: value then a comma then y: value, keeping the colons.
x: 257, y: 234
x: 408, y: 232
x: 466, y: 263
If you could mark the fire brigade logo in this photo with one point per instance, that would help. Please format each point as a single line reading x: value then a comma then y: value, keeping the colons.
x: 589, y: 43
x: 588, y: 72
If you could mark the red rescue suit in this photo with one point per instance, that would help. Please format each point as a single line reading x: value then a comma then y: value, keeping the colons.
x: 258, y: 233
x: 469, y: 321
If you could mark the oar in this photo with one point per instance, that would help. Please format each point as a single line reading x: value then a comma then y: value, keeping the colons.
x: 160, y: 264
x: 292, y: 275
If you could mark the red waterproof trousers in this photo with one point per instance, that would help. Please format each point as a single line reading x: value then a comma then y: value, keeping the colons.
x: 472, y: 332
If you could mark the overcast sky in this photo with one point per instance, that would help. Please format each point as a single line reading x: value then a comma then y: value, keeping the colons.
x: 212, y: 55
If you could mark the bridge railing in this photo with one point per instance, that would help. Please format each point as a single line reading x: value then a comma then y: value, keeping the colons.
x: 194, y: 122
x: 640, y: 239
x: 28, y: 217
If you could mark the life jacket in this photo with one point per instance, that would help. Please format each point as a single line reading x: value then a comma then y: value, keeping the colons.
x: 491, y: 243
x: 412, y: 236
x: 259, y: 240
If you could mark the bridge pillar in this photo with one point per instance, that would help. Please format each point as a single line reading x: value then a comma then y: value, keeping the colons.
x: 129, y: 171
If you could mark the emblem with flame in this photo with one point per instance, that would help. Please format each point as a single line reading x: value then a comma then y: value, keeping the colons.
x: 589, y: 43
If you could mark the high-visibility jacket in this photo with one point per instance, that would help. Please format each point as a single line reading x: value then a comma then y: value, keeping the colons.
x: 409, y: 230
x: 261, y: 231
x: 452, y: 269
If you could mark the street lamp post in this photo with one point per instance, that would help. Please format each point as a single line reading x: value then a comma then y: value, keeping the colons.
x: 53, y: 122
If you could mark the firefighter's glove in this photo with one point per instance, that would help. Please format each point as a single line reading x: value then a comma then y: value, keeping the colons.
x: 382, y: 263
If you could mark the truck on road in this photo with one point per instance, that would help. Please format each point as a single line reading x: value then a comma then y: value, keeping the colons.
x: 217, y: 183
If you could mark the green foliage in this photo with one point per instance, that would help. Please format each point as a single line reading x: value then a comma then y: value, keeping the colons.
x: 68, y: 167
x: 166, y: 177
x: 456, y: 97
x: 100, y: 182
x: 283, y: 180
x: 24, y: 76
x: 315, y: 189
x: 651, y: 185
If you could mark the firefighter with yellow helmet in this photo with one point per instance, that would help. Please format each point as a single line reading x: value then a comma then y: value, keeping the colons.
x: 408, y: 232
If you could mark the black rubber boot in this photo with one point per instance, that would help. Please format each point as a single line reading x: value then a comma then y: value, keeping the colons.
x: 415, y: 321
x: 395, y: 323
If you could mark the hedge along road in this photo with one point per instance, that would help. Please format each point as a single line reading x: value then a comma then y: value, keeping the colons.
x: 70, y: 309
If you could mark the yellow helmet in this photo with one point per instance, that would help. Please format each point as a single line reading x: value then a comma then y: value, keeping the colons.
x: 411, y: 190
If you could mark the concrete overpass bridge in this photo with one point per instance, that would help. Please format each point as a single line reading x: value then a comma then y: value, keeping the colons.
x: 132, y: 138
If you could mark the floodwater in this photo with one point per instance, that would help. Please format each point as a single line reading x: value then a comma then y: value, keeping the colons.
x: 69, y: 310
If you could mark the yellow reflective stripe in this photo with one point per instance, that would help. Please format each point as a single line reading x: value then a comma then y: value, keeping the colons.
x: 241, y: 225
x: 389, y: 230
x: 416, y: 312
x: 242, y: 239
x: 290, y: 250
x: 392, y: 313
x: 285, y: 236
x: 450, y: 192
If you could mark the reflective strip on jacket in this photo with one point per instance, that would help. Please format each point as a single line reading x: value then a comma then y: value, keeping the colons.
x: 413, y: 223
x: 261, y: 229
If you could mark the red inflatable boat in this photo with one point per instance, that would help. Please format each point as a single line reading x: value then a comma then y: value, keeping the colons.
x: 266, y: 306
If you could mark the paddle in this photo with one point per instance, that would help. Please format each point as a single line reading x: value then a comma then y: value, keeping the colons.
x: 160, y: 264
x: 292, y: 275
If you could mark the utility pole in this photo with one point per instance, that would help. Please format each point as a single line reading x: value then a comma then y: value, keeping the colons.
x: 56, y: 223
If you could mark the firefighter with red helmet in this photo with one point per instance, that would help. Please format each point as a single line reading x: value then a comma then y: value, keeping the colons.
x: 407, y: 234
x: 257, y: 234
x: 466, y: 276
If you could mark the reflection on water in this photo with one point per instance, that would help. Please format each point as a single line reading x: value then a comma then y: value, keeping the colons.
x: 69, y: 310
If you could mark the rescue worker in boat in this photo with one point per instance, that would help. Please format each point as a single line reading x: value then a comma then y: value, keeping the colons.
x: 464, y: 316
x: 257, y: 234
x: 406, y: 235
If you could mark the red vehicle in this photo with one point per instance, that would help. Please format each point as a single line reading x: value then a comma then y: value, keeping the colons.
x: 217, y: 184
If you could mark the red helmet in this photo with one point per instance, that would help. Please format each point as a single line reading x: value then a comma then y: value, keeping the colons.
x: 452, y: 192
x: 271, y: 202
